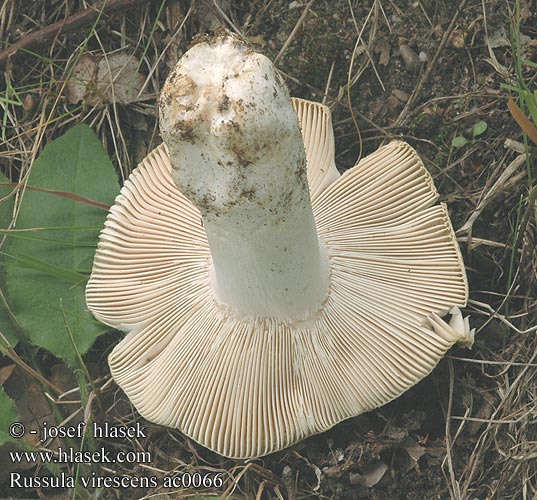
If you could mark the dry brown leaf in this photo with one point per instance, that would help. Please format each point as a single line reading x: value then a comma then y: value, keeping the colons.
x: 373, y: 473
x: 105, y: 79
x: 5, y: 373
x: 383, y: 47
x: 523, y: 121
x: 414, y: 451
x: 82, y: 80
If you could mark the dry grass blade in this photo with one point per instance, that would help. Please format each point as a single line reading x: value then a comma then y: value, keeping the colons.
x: 509, y: 430
x: 506, y: 179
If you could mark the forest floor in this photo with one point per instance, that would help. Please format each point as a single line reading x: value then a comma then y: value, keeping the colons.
x: 439, y: 75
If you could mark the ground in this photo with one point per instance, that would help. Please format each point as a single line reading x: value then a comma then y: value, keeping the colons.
x: 436, y: 74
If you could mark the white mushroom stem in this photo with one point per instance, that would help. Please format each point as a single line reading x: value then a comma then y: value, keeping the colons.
x: 238, y: 155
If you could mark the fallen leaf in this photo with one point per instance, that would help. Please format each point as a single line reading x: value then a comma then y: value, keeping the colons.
x: 373, y: 473
x: 415, y: 450
x: 5, y: 373
x: 477, y: 166
x: 81, y: 85
x: 396, y: 434
x: 529, y: 128
x: 402, y: 96
x: 383, y: 47
x: 105, y: 79
x: 118, y: 76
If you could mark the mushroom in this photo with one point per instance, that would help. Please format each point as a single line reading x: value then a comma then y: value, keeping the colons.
x: 267, y: 297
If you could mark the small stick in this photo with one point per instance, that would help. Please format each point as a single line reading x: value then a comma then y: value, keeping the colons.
x: 71, y: 23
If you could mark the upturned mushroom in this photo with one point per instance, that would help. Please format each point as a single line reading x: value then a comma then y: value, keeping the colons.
x: 267, y: 297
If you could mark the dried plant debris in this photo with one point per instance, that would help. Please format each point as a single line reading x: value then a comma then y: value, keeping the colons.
x: 383, y: 462
x: 105, y: 79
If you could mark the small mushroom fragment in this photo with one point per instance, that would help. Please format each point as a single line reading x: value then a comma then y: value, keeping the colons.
x: 266, y: 297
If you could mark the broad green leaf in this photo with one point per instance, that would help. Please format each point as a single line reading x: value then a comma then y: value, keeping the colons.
x: 8, y: 415
x: 6, y: 213
x: 44, y: 282
x: 29, y: 262
x: 479, y: 128
x: 458, y: 141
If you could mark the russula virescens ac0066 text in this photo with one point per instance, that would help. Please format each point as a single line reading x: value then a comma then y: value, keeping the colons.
x: 266, y: 297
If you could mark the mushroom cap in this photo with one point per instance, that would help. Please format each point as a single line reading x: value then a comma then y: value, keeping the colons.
x: 249, y: 386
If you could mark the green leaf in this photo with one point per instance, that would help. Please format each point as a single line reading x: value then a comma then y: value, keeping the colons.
x: 6, y: 212
x: 43, y: 280
x: 458, y: 141
x: 8, y: 415
x: 29, y: 262
x: 479, y: 128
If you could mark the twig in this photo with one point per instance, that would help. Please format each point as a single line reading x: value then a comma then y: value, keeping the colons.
x: 432, y: 63
x: 71, y: 23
